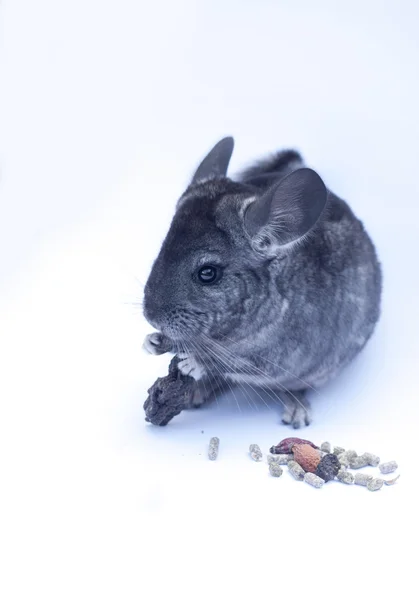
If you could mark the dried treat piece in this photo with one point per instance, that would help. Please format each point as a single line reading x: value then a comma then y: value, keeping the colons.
x: 296, y: 471
x: 169, y: 395
x: 328, y: 467
x: 363, y: 479
x: 285, y: 446
x: 373, y: 460
x: 388, y: 467
x: 345, y: 476
x: 326, y: 447
x: 391, y: 481
x: 338, y: 450
x: 275, y: 469
x: 359, y: 462
x: 306, y: 456
x: 313, y: 480
x: 280, y: 459
x: 213, y: 448
x: 255, y: 452
x: 375, y: 484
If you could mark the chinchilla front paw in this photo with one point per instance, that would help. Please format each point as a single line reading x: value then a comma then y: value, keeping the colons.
x: 188, y: 366
x: 157, y: 343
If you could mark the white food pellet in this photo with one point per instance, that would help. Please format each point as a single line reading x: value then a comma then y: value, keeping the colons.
x: 255, y: 452
x: 375, y: 484
x: 388, y: 467
x: 326, y: 447
x: 280, y: 459
x: 296, y: 471
x: 214, y: 446
x: 363, y: 479
x: 313, y: 480
x: 275, y: 469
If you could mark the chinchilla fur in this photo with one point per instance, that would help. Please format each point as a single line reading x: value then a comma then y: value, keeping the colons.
x: 290, y: 288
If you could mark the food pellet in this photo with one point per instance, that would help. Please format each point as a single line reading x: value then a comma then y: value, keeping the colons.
x: 363, y: 479
x: 296, y: 471
x: 326, y: 447
x: 359, y: 462
x: 275, y: 469
x: 345, y: 476
x: 313, y: 480
x: 343, y: 459
x: 388, y: 467
x: 375, y: 484
x: 391, y: 481
x: 373, y: 459
x: 338, y: 450
x: 351, y: 454
x: 255, y: 452
x: 280, y: 459
x: 214, y: 446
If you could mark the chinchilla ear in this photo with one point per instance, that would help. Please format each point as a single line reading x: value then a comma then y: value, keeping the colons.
x: 286, y: 212
x: 215, y: 164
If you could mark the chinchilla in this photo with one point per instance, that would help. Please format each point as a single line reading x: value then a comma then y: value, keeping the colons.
x: 268, y: 281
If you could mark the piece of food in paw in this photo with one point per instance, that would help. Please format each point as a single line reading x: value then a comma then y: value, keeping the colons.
x: 169, y: 395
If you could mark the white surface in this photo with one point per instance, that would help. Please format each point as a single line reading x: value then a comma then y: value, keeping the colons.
x: 109, y: 108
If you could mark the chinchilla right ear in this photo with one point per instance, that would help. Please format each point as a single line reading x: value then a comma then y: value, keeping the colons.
x: 216, y: 162
x: 286, y: 212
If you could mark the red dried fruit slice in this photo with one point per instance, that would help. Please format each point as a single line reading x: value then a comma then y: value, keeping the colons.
x: 285, y: 446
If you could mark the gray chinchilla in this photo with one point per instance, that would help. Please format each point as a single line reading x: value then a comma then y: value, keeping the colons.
x: 267, y: 281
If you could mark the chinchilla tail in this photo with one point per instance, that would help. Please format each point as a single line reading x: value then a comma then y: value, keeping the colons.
x: 277, y: 165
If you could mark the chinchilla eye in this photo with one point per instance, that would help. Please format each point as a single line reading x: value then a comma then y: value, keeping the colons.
x: 208, y: 274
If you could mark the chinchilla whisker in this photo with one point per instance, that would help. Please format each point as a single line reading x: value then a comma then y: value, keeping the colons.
x: 248, y: 367
x: 273, y: 364
x: 214, y: 364
x: 231, y: 368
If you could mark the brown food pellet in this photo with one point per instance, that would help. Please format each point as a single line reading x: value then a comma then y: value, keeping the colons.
x: 307, y: 457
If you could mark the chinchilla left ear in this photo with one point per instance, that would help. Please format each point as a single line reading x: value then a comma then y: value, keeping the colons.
x: 216, y: 162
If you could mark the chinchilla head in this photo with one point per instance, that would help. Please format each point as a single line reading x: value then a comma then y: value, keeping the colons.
x: 212, y: 272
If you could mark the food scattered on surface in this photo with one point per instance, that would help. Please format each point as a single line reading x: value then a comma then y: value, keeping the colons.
x: 373, y: 459
x: 306, y: 456
x: 328, y: 467
x: 391, y: 481
x: 313, y: 480
x: 345, y: 476
x: 359, y: 462
x: 326, y: 447
x: 213, y: 448
x: 363, y: 479
x: 338, y: 450
x: 388, y: 467
x: 280, y: 459
x: 255, y: 452
x: 286, y: 445
x: 275, y: 469
x: 296, y: 470
x: 375, y: 484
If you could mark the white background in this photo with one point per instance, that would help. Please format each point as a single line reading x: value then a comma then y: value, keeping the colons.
x: 107, y: 108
